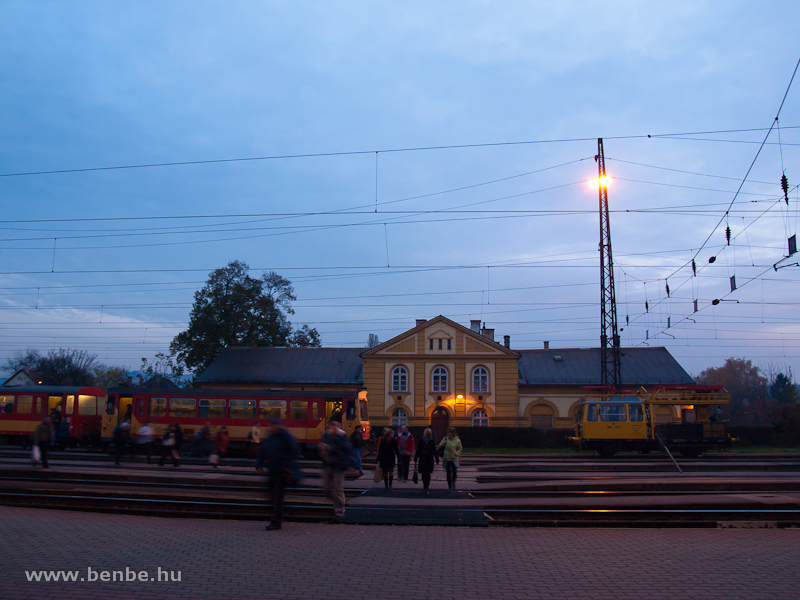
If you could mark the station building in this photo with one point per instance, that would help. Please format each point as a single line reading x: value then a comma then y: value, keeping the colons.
x: 443, y: 373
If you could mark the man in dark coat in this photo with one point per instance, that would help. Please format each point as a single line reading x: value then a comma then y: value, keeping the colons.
x: 337, y: 459
x: 357, y: 441
x: 277, y: 454
x: 42, y: 437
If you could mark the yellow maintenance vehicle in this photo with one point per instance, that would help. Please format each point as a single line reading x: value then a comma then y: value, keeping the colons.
x: 610, y: 422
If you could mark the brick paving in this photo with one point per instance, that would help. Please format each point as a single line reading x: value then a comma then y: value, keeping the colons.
x: 239, y: 560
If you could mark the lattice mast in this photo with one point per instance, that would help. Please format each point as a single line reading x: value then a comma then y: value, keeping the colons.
x: 609, y: 337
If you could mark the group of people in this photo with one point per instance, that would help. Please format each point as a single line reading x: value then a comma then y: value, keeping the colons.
x: 399, y: 449
x: 171, y: 442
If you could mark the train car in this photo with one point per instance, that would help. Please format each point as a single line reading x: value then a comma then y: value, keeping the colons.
x: 304, y: 414
x: 23, y: 408
x: 608, y: 423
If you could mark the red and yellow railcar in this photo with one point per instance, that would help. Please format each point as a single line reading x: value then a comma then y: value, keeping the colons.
x: 23, y: 408
x: 304, y: 414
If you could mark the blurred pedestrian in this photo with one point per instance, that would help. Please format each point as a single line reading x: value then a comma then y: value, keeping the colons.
x: 169, y: 445
x: 452, y: 452
x: 145, y: 440
x: 254, y: 439
x: 406, y: 449
x: 55, y: 421
x: 220, y: 445
x: 277, y: 456
x: 120, y: 437
x: 387, y: 455
x: 42, y: 437
x: 425, y: 456
x: 357, y: 441
x: 337, y: 459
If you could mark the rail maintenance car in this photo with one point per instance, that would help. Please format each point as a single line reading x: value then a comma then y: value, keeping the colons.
x: 23, y: 408
x: 305, y: 414
x: 608, y: 423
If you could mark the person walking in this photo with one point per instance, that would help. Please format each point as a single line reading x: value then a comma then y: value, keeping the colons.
x: 146, y: 440
x: 277, y: 456
x: 169, y: 445
x: 425, y: 456
x: 406, y: 449
x: 220, y: 445
x: 254, y: 439
x: 452, y: 452
x: 387, y: 455
x: 337, y: 459
x: 42, y: 437
x: 357, y: 441
x: 120, y: 437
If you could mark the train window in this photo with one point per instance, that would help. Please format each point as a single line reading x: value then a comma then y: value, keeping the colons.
x: 591, y: 412
x: 635, y: 412
x: 350, y: 413
x: 6, y: 404
x: 612, y: 412
x: 242, y: 409
x: 272, y: 409
x: 212, y: 409
x: 158, y: 407
x: 298, y: 410
x: 112, y: 400
x: 24, y: 404
x: 70, y: 404
x: 364, y: 416
x: 181, y: 407
x: 54, y: 402
x: 139, y: 406
x: 38, y: 405
x: 87, y: 405
x: 315, y: 407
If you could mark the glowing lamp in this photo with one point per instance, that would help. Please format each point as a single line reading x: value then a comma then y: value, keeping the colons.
x: 600, y: 181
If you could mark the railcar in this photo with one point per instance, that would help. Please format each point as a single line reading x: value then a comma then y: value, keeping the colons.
x: 23, y: 408
x: 303, y: 413
x: 608, y: 423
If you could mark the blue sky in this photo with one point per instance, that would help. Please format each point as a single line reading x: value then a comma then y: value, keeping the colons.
x: 96, y: 84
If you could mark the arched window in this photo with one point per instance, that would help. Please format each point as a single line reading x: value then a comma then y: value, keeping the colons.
x: 399, y: 418
x: 480, y: 380
x: 399, y: 379
x: 480, y: 418
x: 439, y: 383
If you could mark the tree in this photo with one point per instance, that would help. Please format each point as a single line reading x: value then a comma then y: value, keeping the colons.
x: 304, y: 336
x: 746, y: 385
x: 783, y: 390
x: 106, y: 376
x: 164, y: 365
x: 234, y: 309
x: 59, y: 367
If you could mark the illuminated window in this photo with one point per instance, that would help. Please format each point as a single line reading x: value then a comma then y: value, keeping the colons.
x: 242, y: 409
x: 362, y: 404
x: 211, y: 409
x: 315, y: 410
x: 87, y: 405
x: 480, y: 380
x: 24, y: 404
x: 480, y: 418
x: 70, y: 404
x: 439, y: 383
x: 6, y: 404
x: 272, y: 409
x: 399, y: 380
x: 158, y: 407
x: 635, y: 412
x: 298, y: 410
x: 612, y: 412
x: 399, y: 418
x: 182, y: 407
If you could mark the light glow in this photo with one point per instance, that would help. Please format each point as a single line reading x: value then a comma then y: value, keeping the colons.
x: 597, y: 181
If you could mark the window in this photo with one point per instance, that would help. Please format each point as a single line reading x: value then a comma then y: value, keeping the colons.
x: 440, y: 344
x: 182, y: 407
x: 139, y: 408
x: 242, y: 409
x: 298, y: 410
x: 272, y: 409
x: 350, y: 413
x: 363, y: 406
x: 399, y: 418
x: 70, y: 404
x: 591, y: 413
x: 635, y: 412
x: 612, y: 412
x: 448, y: 344
x: 431, y: 344
x: 38, y: 405
x: 542, y: 421
x: 6, y: 404
x: 480, y: 380
x: 112, y: 401
x: 87, y: 405
x: 158, y: 407
x: 315, y: 406
x: 211, y: 409
x: 24, y: 404
x: 439, y: 379
x: 54, y: 402
x: 399, y: 379
x: 480, y: 418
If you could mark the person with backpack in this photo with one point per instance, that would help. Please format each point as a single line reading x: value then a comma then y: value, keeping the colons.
x: 425, y: 457
x: 337, y: 459
x: 452, y: 452
x: 277, y: 456
x: 357, y: 441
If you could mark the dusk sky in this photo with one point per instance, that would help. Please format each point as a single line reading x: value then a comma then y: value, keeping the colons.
x: 454, y: 143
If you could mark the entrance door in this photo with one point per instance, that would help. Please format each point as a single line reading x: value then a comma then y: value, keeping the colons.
x: 440, y: 421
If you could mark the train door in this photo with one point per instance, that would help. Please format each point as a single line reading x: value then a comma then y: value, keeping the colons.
x: 109, y: 419
x: 125, y: 408
x: 350, y: 421
x: 333, y: 410
x: 316, y: 421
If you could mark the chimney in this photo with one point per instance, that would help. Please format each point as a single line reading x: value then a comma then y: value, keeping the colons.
x: 507, y: 341
x: 421, y: 322
x: 488, y: 333
x: 547, y: 345
x: 475, y: 325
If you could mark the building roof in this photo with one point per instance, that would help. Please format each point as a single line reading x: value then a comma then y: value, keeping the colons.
x: 24, y: 376
x: 581, y: 366
x: 238, y: 364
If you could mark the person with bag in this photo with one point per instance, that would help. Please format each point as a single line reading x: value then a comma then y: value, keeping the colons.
x: 41, y: 439
x: 357, y: 441
x: 277, y: 456
x: 337, y: 459
x: 169, y: 444
x: 452, y: 452
x: 388, y: 453
x: 406, y: 448
x: 220, y: 446
x: 426, y: 455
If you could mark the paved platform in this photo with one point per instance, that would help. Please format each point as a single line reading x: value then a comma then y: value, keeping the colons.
x: 239, y: 560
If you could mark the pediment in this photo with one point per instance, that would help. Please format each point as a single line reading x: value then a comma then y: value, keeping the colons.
x: 407, y: 345
x: 477, y: 346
